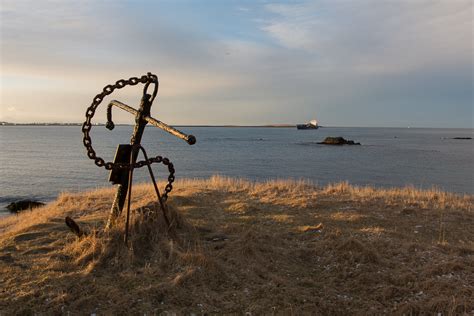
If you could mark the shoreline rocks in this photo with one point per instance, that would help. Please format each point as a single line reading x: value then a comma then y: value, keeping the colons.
x: 338, y: 141
x: 22, y: 205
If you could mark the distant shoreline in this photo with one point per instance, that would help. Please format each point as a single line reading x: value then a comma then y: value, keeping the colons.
x: 229, y: 126
x: 103, y: 124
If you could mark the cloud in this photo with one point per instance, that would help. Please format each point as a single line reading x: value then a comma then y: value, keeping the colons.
x: 376, y: 36
x: 244, y: 9
x: 347, y: 62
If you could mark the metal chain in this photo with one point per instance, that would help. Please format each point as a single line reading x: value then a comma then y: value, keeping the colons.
x: 87, y: 126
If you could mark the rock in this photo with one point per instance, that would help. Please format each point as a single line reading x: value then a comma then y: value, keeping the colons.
x: 338, y: 141
x: 15, y: 207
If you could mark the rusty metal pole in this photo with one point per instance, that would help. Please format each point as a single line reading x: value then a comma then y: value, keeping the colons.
x: 122, y: 188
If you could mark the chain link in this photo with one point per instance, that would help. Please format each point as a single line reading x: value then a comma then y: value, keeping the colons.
x: 87, y: 126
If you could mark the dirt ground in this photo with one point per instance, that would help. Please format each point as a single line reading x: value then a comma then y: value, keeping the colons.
x: 237, y: 247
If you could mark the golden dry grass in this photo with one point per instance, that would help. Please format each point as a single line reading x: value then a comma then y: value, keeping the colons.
x: 278, y: 247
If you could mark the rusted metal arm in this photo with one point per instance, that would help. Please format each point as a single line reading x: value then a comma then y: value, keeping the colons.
x: 123, y: 106
x: 190, y: 139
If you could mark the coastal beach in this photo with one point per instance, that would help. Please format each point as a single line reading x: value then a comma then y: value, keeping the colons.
x: 243, y: 247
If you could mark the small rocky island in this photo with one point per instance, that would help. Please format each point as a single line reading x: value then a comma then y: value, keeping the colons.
x: 338, y: 141
x: 18, y: 206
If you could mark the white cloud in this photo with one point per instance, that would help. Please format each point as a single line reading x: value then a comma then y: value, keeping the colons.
x: 244, y: 9
x: 376, y: 36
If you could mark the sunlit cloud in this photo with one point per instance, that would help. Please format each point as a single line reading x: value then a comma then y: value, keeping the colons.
x: 376, y: 36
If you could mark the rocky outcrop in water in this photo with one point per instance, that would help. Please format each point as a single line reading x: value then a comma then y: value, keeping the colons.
x: 337, y: 141
x: 18, y: 206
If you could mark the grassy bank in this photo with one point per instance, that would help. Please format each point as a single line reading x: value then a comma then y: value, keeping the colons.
x: 280, y: 247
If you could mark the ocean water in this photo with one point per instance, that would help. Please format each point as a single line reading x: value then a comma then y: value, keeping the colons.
x: 39, y: 162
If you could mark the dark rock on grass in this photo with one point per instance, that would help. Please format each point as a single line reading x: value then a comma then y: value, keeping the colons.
x: 16, y: 207
x: 338, y: 141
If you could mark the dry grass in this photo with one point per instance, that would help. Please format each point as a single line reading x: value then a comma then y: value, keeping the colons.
x: 279, y: 247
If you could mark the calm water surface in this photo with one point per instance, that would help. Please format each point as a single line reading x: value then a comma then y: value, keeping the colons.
x: 40, y: 162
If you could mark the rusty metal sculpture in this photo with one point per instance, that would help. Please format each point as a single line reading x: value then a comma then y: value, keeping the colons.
x: 126, y: 156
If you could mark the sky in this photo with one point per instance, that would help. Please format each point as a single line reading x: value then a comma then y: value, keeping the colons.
x: 346, y: 63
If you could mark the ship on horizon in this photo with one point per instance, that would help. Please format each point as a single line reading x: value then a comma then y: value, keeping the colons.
x: 313, y: 124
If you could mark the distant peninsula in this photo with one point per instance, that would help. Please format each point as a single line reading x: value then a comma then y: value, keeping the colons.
x: 102, y: 124
x: 41, y: 124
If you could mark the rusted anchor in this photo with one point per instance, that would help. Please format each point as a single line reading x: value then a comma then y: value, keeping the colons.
x: 126, y: 156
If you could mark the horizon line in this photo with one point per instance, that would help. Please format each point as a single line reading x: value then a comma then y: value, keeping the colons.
x: 285, y: 125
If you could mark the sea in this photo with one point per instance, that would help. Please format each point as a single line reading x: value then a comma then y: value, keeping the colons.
x: 39, y: 162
